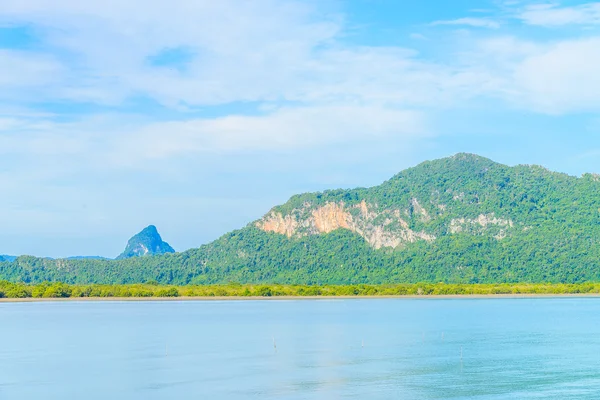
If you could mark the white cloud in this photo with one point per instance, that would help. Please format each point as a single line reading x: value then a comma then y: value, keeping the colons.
x: 272, y: 53
x: 550, y: 77
x: 288, y: 128
x: 105, y: 142
x: 33, y: 69
x: 263, y: 51
x: 27, y: 76
x: 418, y: 36
x: 562, y: 79
x: 475, y: 22
x: 244, y: 51
x: 554, y: 15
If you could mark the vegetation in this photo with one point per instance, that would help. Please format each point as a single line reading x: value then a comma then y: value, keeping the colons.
x: 553, y: 236
x: 147, y: 242
x: 61, y: 290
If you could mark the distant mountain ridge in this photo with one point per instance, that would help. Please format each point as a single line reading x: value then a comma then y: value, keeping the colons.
x: 13, y: 258
x: 460, y: 219
x: 146, y: 243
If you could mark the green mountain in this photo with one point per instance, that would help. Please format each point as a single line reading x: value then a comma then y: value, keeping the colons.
x: 146, y: 243
x: 4, y: 257
x: 461, y: 219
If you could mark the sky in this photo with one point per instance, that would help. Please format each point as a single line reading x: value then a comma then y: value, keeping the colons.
x: 198, y: 116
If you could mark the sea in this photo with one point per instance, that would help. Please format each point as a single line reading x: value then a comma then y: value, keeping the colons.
x: 370, y: 348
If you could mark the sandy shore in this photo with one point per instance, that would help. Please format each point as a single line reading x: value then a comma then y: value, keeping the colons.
x: 276, y: 298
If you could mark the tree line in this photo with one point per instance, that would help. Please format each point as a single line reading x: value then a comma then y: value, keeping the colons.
x: 12, y: 290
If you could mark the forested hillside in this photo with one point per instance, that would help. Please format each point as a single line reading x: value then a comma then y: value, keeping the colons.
x: 462, y: 219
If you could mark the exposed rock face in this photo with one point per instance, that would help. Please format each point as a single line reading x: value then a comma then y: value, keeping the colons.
x: 391, y: 231
x: 481, y: 224
x: 418, y: 209
x: 380, y: 227
x: 330, y: 217
x: 147, y: 242
x: 275, y: 222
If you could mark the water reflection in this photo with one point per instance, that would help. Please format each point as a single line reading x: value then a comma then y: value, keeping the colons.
x: 374, y: 348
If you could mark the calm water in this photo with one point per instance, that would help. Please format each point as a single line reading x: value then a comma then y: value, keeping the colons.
x: 329, y: 349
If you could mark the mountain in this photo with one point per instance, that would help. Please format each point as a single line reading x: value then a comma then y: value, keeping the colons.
x: 4, y: 257
x: 146, y: 243
x: 461, y: 219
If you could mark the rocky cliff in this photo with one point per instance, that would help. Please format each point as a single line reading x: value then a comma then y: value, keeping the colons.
x: 379, y: 227
x: 146, y: 243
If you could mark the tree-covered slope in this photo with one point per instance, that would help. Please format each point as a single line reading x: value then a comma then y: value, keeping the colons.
x: 462, y: 219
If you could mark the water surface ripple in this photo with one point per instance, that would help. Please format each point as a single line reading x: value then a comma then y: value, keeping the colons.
x: 546, y: 348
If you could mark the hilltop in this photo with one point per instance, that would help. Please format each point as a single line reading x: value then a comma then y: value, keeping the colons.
x: 146, y: 243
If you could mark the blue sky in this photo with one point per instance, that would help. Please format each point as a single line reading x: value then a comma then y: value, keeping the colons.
x: 199, y: 116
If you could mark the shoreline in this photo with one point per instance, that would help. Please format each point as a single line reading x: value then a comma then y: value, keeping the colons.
x: 279, y: 298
